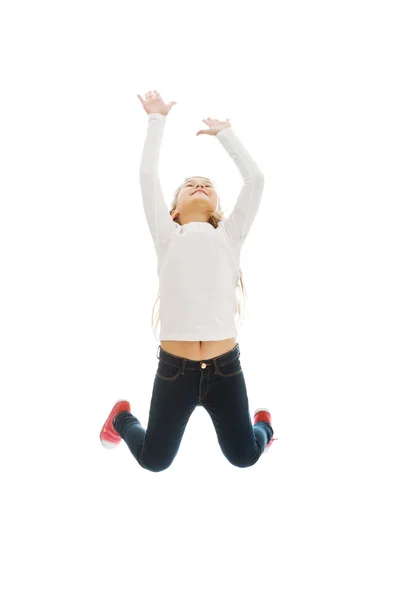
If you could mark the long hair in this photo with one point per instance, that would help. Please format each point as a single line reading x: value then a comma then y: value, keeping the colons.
x: 214, y: 219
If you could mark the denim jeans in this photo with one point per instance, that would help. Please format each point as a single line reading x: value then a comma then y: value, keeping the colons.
x: 180, y: 386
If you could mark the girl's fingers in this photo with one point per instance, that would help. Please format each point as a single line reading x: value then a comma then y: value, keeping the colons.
x: 211, y: 121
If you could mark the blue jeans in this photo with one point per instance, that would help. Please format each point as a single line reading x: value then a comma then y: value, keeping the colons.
x: 181, y: 385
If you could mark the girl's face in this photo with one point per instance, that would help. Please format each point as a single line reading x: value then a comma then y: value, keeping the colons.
x: 197, y: 196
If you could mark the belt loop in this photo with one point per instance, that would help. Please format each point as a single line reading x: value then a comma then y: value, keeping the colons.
x: 215, y: 366
x: 183, y: 366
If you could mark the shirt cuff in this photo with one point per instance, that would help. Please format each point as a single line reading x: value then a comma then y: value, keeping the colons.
x: 156, y: 116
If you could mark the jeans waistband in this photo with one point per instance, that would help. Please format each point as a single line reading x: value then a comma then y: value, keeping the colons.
x: 195, y: 365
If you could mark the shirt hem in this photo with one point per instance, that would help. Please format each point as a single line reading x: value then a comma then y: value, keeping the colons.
x: 197, y: 337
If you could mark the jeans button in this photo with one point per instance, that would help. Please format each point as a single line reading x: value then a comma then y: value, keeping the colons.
x: 203, y: 365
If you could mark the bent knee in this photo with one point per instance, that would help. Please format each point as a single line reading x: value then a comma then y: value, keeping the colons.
x: 155, y: 466
x: 242, y: 462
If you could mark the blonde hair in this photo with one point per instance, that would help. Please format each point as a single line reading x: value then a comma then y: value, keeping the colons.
x: 214, y: 219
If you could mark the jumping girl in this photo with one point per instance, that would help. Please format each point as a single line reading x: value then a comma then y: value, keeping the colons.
x: 198, y: 255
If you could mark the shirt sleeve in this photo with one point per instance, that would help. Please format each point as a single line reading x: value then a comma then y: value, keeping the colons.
x: 159, y: 220
x: 240, y: 220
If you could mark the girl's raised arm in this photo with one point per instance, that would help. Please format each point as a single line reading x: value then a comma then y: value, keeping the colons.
x: 159, y: 220
x: 239, y: 222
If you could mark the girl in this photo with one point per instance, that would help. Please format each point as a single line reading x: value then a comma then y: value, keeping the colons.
x: 198, y: 256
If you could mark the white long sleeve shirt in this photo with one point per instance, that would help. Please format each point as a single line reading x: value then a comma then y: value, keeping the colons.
x: 198, y: 265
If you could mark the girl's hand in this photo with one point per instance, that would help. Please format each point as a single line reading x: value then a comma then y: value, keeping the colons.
x: 155, y: 104
x: 214, y: 125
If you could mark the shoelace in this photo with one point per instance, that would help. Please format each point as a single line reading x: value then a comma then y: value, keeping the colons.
x: 271, y: 440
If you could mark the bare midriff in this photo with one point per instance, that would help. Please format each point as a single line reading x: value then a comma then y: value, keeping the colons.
x: 198, y: 350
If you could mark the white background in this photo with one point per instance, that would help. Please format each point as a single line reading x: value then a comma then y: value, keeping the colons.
x: 312, y: 91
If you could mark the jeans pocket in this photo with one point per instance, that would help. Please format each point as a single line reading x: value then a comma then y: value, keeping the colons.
x: 167, y: 372
x: 232, y: 368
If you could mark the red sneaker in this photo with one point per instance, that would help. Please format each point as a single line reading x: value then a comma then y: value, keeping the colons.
x: 263, y: 414
x: 108, y: 434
